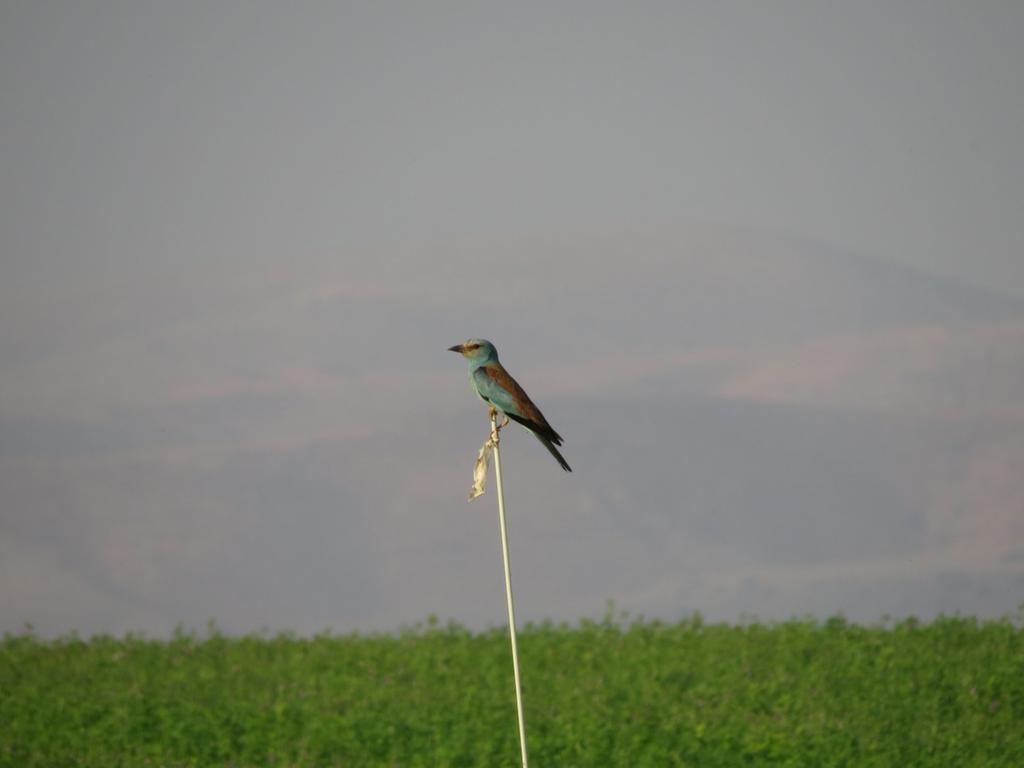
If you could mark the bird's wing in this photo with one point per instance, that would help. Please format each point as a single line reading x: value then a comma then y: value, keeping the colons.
x: 498, y: 388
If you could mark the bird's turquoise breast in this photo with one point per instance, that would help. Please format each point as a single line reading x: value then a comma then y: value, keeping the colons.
x: 488, y: 391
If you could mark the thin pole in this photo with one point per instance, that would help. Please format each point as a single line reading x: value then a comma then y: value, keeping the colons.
x: 508, y: 590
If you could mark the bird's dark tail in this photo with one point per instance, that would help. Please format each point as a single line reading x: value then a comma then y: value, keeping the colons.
x: 554, y: 452
x: 547, y: 436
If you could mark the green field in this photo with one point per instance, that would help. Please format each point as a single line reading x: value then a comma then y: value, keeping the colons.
x: 610, y: 693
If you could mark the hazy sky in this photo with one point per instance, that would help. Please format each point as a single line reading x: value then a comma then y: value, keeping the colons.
x: 759, y: 263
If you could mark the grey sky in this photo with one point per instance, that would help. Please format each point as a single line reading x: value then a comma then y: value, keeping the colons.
x: 759, y: 263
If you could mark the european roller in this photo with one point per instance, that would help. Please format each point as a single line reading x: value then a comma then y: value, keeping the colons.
x: 493, y: 384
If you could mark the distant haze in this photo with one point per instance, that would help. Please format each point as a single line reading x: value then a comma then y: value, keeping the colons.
x: 759, y: 265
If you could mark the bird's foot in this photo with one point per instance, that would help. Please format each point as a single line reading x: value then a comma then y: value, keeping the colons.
x: 494, y: 412
x: 496, y: 427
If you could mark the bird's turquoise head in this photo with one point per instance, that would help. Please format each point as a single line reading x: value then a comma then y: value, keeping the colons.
x: 476, y: 351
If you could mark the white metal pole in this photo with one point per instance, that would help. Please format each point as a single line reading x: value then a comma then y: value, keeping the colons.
x: 508, y: 590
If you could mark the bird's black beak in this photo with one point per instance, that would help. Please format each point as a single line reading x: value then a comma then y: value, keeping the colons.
x: 457, y: 348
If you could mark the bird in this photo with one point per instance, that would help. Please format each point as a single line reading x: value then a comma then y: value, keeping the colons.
x: 493, y: 384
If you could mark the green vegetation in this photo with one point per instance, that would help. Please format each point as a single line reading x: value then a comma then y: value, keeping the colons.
x: 799, y: 693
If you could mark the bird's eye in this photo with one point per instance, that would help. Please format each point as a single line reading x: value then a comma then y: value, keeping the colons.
x: 473, y: 346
